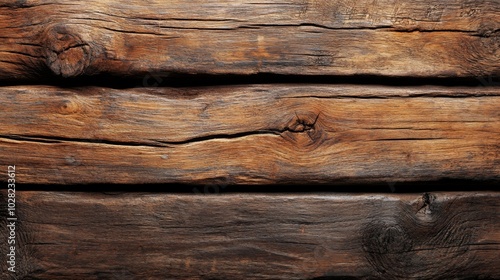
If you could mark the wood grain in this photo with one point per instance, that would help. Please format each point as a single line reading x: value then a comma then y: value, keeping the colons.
x: 74, y: 235
x: 418, y: 38
x: 254, y: 134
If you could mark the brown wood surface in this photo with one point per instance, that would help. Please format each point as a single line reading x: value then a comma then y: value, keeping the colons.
x: 419, y: 38
x: 68, y: 235
x: 254, y: 134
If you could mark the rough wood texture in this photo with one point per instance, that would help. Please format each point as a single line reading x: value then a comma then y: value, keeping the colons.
x: 255, y: 134
x: 419, y: 38
x: 159, y: 236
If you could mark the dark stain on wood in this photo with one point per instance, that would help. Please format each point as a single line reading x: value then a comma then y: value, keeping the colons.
x: 257, y: 236
x: 405, y: 245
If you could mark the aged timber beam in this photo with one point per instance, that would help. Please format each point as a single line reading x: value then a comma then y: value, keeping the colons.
x: 253, y: 134
x: 75, y: 235
x: 419, y: 38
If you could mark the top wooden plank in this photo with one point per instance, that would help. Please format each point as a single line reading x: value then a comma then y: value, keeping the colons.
x: 419, y: 38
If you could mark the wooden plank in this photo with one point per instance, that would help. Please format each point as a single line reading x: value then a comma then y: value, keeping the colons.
x: 255, y: 134
x: 420, y: 38
x: 74, y: 235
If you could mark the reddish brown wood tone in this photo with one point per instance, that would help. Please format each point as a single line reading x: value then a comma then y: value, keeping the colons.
x: 250, y: 134
x: 418, y: 38
x: 364, y: 107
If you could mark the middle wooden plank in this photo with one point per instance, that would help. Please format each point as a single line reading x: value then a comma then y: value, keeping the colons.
x: 250, y: 134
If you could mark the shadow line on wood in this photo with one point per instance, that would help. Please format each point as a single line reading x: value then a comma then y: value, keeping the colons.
x: 165, y: 79
x: 218, y: 186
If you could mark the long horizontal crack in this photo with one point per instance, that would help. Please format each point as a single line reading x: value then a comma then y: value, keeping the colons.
x: 302, y: 126
x: 222, y: 136
x: 55, y: 139
x: 320, y: 26
x: 306, y: 24
x: 151, y: 142
x: 375, y: 27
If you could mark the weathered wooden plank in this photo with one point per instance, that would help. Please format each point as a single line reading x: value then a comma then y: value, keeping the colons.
x: 256, y: 134
x: 63, y: 235
x: 424, y: 38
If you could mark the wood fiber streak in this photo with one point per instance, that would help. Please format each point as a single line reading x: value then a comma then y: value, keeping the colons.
x: 255, y: 134
x: 418, y: 38
x: 248, y: 236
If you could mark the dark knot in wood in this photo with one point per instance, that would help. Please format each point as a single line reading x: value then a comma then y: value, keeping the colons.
x: 387, y: 239
x: 407, y: 245
x: 67, y: 55
x: 304, y: 130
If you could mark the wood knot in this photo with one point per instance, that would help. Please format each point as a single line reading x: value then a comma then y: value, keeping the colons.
x: 302, y: 124
x: 406, y: 246
x: 67, y: 55
x: 425, y: 204
x: 386, y: 239
x: 489, y: 29
x: 304, y: 129
x: 67, y: 107
x: 490, y: 35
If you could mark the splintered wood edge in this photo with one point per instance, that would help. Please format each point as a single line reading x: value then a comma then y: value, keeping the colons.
x: 64, y: 235
x: 424, y: 38
x: 257, y: 134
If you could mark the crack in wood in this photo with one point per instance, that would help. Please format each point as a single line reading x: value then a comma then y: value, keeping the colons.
x: 301, y: 126
x: 53, y: 140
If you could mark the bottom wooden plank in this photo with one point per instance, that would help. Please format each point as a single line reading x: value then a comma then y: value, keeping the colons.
x: 71, y: 235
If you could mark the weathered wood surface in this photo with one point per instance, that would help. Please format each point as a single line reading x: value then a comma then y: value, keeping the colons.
x: 419, y: 38
x: 72, y: 235
x: 255, y: 134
